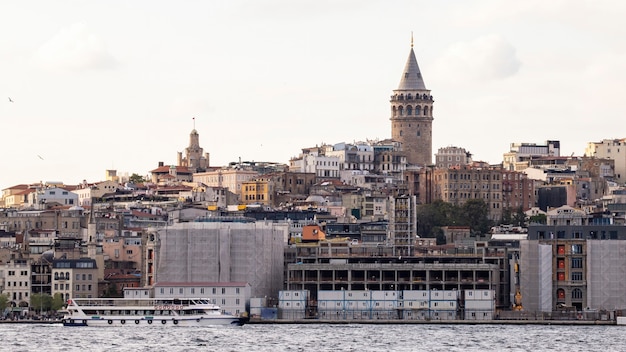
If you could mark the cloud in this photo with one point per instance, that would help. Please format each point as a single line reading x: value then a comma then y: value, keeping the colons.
x: 75, y: 48
x: 485, y: 58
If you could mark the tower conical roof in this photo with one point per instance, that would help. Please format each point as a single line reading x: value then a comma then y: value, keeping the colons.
x: 411, y: 77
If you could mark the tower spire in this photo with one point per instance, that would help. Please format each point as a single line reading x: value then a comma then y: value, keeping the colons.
x: 411, y: 39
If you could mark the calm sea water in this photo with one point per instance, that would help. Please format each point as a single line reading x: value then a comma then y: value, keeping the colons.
x: 317, y: 337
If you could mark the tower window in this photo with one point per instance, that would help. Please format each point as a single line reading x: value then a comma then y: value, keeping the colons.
x: 409, y: 110
x: 418, y: 133
x: 418, y: 110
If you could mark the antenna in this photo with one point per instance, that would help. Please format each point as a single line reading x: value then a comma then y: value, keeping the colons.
x: 411, y: 39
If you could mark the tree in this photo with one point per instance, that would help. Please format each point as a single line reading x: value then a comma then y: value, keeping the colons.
x: 134, y: 178
x: 539, y: 219
x: 474, y: 213
x: 519, y: 218
x: 57, y: 302
x: 40, y: 302
x: 4, y: 302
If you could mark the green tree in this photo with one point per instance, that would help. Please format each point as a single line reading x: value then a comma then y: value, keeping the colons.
x: 507, y: 217
x: 57, y: 302
x: 4, y: 302
x: 539, y: 219
x: 40, y: 302
x: 474, y: 213
x: 134, y: 178
x: 519, y: 218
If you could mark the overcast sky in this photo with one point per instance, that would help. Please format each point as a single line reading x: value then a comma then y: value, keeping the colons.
x: 100, y: 85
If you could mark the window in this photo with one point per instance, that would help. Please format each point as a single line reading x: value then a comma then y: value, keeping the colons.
x: 577, y: 263
x: 577, y: 249
x: 223, y: 290
x: 577, y: 276
x: 577, y: 293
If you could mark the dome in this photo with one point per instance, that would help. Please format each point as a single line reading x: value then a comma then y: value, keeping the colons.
x: 48, y: 255
x: 316, y: 199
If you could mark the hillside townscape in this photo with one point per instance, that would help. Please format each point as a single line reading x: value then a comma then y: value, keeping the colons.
x: 361, y: 231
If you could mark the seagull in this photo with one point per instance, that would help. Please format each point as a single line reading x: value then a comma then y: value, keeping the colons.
x: 40, y: 157
x: 10, y: 100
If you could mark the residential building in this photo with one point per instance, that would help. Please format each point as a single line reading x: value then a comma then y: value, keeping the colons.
x: 314, y: 160
x: 75, y: 278
x: 230, y: 178
x: 521, y: 155
x: 451, y: 156
x: 166, y: 174
x: 614, y: 149
x: 458, y: 185
x: 89, y: 192
x: 15, y: 284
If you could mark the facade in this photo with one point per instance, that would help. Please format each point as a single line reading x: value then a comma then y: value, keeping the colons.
x: 518, y: 191
x: 520, y: 155
x: 15, y: 281
x: 165, y: 174
x: 314, y: 160
x: 75, y: 278
x: 358, y: 156
x: 222, y: 251
x: 232, y: 297
x: 452, y: 157
x: 88, y: 191
x: 257, y: 191
x: 403, y: 224
x: 230, y: 178
x: 47, y: 197
x: 458, y: 185
x: 572, y: 263
x: 614, y: 149
x: 412, y: 114
x: 15, y: 196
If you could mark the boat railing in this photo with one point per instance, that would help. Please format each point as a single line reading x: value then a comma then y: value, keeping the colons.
x: 130, y: 302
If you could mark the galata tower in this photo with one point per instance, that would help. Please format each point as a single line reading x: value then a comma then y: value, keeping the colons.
x: 412, y: 114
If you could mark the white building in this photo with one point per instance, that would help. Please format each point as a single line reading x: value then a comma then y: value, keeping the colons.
x: 611, y: 149
x: 15, y: 281
x: 231, y: 297
x: 480, y: 304
x: 49, y: 196
x: 451, y: 156
x: 313, y: 160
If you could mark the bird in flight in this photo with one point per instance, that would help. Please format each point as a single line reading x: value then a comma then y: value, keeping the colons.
x: 40, y: 157
x: 10, y: 100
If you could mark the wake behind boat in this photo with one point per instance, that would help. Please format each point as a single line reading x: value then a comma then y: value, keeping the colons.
x: 144, y: 312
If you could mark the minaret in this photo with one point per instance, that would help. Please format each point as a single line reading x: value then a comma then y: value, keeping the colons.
x: 412, y: 114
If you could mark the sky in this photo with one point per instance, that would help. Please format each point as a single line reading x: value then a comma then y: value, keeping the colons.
x: 100, y: 85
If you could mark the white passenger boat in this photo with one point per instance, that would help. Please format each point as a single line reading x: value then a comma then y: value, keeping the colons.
x: 144, y: 312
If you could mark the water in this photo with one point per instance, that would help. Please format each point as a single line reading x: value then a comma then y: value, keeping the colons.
x: 314, y: 337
